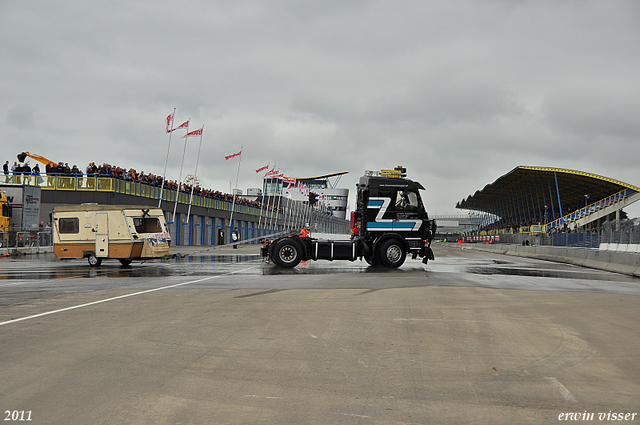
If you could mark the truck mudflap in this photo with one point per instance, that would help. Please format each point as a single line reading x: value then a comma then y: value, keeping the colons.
x: 428, y: 255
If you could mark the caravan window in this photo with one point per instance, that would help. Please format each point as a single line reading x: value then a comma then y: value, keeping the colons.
x: 147, y: 225
x: 69, y: 225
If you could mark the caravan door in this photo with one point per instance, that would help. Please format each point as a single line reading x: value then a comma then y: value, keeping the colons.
x: 102, y: 235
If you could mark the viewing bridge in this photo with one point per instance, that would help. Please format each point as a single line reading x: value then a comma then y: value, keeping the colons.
x: 198, y: 220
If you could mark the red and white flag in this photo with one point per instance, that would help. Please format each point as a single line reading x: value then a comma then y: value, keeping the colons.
x: 183, y: 125
x: 233, y: 155
x: 271, y: 172
x: 262, y: 168
x: 169, y: 121
x: 193, y: 133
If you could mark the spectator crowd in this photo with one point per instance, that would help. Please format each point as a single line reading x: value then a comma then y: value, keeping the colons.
x: 108, y: 170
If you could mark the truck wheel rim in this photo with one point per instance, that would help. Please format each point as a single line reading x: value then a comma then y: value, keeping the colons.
x: 288, y: 253
x: 394, y: 253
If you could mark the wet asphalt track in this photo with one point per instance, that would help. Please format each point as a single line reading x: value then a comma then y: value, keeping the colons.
x: 473, y: 337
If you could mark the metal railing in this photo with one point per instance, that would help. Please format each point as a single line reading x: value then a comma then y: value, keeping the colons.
x: 26, y: 237
x: 621, y: 235
x: 83, y: 182
x: 622, y: 232
x: 589, y: 209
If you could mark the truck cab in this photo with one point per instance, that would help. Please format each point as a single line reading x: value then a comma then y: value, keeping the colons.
x: 390, y: 222
x: 389, y: 206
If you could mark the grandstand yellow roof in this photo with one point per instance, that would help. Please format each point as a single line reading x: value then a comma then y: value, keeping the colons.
x: 530, y: 188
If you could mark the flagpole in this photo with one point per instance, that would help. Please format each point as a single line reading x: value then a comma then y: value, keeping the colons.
x: 267, y: 227
x: 233, y: 203
x: 275, y: 164
x: 284, y: 207
x: 195, y: 174
x: 297, y: 211
x: 262, y: 202
x: 166, y: 160
x: 175, y: 206
x: 279, y: 202
x: 286, y: 210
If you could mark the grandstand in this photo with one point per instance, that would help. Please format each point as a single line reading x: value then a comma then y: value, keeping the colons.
x: 543, y: 199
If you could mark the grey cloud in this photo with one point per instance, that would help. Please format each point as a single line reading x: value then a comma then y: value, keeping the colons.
x: 459, y: 92
x: 596, y: 111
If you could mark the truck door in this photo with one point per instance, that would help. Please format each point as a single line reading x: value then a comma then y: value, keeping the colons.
x: 102, y: 235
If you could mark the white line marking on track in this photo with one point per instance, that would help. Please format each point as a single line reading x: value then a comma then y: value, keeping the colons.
x: 47, y: 313
x: 352, y: 415
x: 563, y: 390
x: 263, y: 396
x: 16, y: 283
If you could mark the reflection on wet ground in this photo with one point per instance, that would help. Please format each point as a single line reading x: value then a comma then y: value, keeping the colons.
x: 559, y: 274
x: 202, y: 265
x: 50, y: 268
x: 212, y: 259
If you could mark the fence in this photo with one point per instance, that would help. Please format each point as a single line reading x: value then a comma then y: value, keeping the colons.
x: 622, y: 236
x: 26, y: 238
x: 613, y: 235
x: 580, y: 239
x: 87, y: 183
x: 290, y: 214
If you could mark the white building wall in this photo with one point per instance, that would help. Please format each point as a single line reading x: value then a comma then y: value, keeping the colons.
x: 335, y: 199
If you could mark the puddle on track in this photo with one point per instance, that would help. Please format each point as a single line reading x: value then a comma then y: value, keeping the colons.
x: 551, y: 273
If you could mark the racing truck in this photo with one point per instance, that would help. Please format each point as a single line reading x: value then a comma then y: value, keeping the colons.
x: 389, y: 223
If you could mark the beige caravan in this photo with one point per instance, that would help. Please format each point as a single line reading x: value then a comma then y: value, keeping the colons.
x: 97, y: 232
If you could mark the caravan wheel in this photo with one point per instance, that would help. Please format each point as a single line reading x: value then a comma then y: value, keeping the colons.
x: 94, y: 261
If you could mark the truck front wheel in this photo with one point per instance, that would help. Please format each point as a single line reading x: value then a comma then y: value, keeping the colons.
x: 392, y: 253
x: 286, y: 253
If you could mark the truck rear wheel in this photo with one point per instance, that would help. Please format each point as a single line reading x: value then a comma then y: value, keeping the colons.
x: 286, y: 253
x: 392, y: 253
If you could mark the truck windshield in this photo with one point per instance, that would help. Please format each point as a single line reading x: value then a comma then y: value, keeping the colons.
x: 407, y: 200
x: 147, y: 225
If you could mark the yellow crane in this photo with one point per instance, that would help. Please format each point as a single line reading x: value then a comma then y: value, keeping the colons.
x: 22, y: 156
x: 5, y: 217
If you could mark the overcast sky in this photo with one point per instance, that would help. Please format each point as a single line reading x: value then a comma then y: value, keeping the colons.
x: 458, y: 92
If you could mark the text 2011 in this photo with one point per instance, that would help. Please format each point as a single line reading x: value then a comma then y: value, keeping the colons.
x: 17, y: 415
